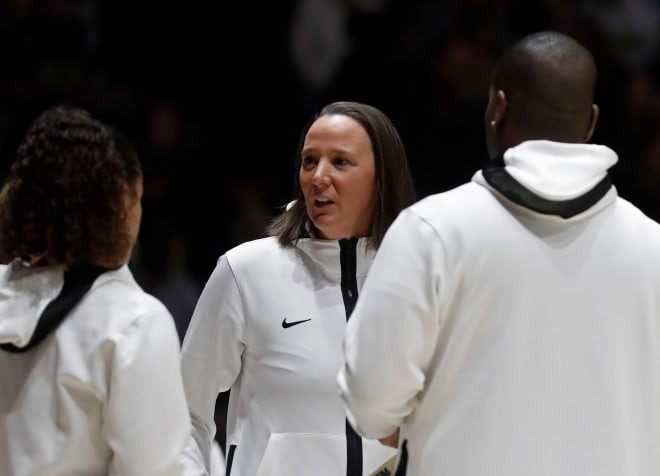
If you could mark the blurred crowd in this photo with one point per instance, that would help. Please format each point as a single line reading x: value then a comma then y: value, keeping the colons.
x: 213, y: 96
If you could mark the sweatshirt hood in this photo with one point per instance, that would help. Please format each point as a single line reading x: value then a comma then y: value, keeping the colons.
x: 24, y: 294
x: 557, y: 170
x: 34, y: 301
x: 553, y: 178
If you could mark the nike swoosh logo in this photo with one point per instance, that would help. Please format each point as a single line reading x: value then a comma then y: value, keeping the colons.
x: 292, y: 323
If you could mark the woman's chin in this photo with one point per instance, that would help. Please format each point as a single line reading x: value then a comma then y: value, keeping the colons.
x: 326, y: 233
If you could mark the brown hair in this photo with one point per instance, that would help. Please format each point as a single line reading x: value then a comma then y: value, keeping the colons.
x: 65, y: 197
x: 394, y: 184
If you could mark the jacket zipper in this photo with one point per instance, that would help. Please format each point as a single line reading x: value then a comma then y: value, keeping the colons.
x: 349, y: 291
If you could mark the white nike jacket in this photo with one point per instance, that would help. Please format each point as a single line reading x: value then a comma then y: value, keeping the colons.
x: 101, y: 393
x: 269, y: 326
x: 513, y: 342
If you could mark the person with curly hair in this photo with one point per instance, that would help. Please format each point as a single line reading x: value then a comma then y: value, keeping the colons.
x: 90, y: 367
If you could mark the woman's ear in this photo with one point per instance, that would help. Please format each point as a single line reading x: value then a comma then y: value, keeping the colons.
x: 595, y: 111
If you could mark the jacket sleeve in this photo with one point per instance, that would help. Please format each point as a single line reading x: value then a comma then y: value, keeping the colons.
x: 211, y: 358
x: 146, y: 420
x: 390, y: 336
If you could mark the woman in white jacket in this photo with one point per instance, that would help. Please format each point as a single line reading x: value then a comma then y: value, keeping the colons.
x: 271, y: 318
x: 90, y: 368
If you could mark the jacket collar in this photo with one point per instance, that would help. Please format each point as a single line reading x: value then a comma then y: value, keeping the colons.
x: 552, y: 178
x: 325, y: 255
x: 27, y: 293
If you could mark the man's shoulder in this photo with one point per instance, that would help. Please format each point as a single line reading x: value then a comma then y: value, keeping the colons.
x: 638, y: 218
x: 458, y: 198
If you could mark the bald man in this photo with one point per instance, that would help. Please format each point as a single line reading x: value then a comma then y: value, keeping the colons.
x: 511, y: 326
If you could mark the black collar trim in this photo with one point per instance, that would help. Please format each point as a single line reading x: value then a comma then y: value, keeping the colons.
x: 498, y: 178
x: 77, y: 282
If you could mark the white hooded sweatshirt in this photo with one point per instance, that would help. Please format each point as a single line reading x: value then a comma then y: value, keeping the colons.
x: 269, y: 326
x: 514, y: 330
x: 101, y: 393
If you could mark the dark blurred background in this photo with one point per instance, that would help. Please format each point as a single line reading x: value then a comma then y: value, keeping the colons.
x: 213, y: 95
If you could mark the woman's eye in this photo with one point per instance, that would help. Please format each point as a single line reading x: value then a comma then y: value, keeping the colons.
x: 341, y: 161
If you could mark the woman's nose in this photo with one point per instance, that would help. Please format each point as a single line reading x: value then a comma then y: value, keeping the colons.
x: 321, y: 174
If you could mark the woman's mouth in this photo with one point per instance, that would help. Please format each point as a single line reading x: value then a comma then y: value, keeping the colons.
x: 322, y: 202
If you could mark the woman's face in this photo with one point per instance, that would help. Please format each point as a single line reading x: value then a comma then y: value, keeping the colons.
x: 338, y: 177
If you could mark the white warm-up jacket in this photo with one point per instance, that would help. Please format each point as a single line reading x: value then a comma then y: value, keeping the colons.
x: 102, y: 392
x: 269, y: 326
x: 511, y: 325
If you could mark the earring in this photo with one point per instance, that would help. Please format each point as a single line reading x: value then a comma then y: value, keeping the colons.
x: 493, y: 123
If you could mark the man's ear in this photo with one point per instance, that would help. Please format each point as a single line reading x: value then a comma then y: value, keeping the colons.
x: 595, y: 111
x: 501, y: 107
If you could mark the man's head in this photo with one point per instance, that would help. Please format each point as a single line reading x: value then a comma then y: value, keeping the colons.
x: 542, y: 88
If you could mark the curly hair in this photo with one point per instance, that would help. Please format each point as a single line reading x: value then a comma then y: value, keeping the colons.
x: 394, y: 184
x: 64, y: 200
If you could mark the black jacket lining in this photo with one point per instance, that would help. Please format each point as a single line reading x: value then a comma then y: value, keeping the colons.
x: 77, y: 282
x: 498, y: 178
x: 348, y: 260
